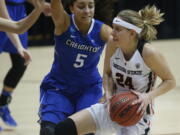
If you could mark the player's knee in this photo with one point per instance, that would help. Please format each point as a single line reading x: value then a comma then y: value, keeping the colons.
x: 19, y: 68
x: 47, y: 128
x: 14, y: 75
x: 66, y: 127
x: 18, y: 65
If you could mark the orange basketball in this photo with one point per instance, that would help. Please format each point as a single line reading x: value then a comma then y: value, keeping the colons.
x: 122, y: 111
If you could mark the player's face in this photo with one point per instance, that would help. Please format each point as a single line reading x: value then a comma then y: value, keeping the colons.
x: 120, y: 34
x: 83, y: 10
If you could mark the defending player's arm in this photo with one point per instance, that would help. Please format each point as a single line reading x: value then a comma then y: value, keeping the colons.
x: 157, y: 63
x: 45, y: 7
x: 23, y: 25
x: 107, y: 78
x: 60, y: 18
x: 27, y: 22
x: 108, y: 83
x: 14, y: 37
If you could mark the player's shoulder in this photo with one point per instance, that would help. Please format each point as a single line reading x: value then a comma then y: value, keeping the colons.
x: 150, y: 51
x: 106, y: 28
x: 106, y: 31
x: 111, y: 46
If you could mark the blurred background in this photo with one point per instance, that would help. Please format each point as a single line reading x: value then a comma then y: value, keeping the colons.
x: 42, y: 32
x: 26, y: 98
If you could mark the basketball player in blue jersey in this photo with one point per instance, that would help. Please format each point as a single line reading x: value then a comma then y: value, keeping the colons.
x: 74, y: 82
x: 131, y: 63
x: 16, y: 11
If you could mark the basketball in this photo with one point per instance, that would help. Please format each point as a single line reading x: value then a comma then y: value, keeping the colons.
x: 122, y: 111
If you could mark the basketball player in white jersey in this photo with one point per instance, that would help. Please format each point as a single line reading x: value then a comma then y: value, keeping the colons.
x: 131, y: 64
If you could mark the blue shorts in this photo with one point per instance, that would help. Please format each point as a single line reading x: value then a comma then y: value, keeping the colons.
x: 16, y: 13
x: 57, y: 104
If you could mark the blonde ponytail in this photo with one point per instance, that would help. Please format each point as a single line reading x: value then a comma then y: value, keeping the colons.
x: 150, y: 16
x: 146, y: 19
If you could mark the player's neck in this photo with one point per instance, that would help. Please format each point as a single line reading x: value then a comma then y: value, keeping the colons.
x: 129, y: 50
x: 83, y: 27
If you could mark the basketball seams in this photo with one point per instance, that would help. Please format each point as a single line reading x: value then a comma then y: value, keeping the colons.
x: 120, y: 103
x: 113, y: 99
x: 132, y: 114
x: 132, y: 118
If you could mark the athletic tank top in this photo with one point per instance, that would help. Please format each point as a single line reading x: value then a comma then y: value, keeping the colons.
x: 77, y: 55
x: 133, y: 74
x: 15, y: 1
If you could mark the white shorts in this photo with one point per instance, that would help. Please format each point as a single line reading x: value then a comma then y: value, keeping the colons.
x: 105, y: 126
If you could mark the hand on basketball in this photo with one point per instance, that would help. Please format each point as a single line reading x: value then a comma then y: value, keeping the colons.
x: 143, y: 100
x: 25, y: 54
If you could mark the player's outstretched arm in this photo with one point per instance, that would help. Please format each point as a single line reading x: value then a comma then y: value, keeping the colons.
x: 60, y: 17
x: 108, y: 83
x: 22, y: 25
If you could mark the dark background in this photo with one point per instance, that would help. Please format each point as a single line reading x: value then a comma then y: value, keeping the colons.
x: 42, y: 32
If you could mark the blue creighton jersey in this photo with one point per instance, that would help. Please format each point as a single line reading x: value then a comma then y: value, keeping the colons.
x: 77, y: 55
x: 16, y: 1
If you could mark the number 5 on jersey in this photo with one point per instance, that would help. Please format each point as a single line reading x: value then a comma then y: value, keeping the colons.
x: 79, y: 60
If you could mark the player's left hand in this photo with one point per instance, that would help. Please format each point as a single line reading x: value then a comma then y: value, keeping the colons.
x: 143, y: 100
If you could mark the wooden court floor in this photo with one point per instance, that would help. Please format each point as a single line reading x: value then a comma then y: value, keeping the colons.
x: 25, y: 98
